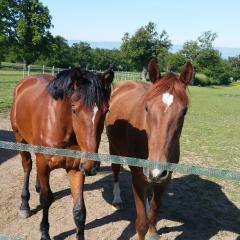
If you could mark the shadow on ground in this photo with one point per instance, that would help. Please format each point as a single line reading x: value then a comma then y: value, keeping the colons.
x: 198, y: 204
x: 6, y: 154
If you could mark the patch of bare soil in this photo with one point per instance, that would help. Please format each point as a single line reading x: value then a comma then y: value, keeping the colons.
x: 192, y: 208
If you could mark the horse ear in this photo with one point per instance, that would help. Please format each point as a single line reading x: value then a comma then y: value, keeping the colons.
x: 108, y: 75
x: 153, y: 71
x: 76, y: 75
x: 187, y: 73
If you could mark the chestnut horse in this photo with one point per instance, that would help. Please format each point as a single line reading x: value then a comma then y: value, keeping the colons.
x: 65, y: 112
x: 145, y: 121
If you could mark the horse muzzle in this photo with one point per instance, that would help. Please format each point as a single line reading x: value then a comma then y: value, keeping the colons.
x: 155, y: 175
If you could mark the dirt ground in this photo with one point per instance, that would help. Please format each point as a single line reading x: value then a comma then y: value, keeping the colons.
x: 193, y: 207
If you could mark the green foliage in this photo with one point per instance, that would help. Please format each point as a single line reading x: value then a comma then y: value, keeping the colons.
x: 176, y: 61
x: 81, y: 54
x: 234, y: 64
x: 206, y: 40
x: 201, y: 79
x: 25, y: 25
x: 102, y: 58
x: 190, y: 50
x: 59, y: 53
x: 205, y: 59
x: 145, y: 44
x: 25, y: 38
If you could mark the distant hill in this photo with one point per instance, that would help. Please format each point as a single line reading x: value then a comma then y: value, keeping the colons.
x: 226, y: 51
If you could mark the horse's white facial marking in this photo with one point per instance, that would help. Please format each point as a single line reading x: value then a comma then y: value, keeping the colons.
x: 147, y: 207
x: 116, y: 193
x: 167, y: 99
x: 95, y: 109
x: 156, y: 172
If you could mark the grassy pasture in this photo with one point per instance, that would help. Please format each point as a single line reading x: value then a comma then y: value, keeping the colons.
x: 211, y: 134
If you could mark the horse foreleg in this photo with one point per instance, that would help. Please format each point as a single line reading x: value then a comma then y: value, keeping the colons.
x: 76, y: 179
x: 46, y: 197
x: 117, y: 201
x: 155, y: 205
x: 140, y: 193
x: 27, y: 167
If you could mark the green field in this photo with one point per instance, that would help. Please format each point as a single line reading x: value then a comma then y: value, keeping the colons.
x: 211, y: 134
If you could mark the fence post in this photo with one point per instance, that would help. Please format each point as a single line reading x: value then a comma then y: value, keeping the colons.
x: 53, y: 70
x: 24, y: 70
x: 29, y: 67
x: 43, y: 70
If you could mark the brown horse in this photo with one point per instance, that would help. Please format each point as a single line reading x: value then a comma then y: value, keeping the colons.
x: 65, y: 112
x: 145, y: 121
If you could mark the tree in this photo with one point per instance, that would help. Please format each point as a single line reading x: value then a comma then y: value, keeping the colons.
x: 234, y: 63
x: 59, y: 53
x: 176, y: 61
x: 25, y: 25
x: 205, y: 41
x: 7, y: 21
x: 145, y: 44
x: 81, y: 54
x: 207, y: 60
x: 190, y: 50
x: 102, y: 58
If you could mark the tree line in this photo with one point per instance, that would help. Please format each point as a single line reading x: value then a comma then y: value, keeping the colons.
x: 25, y: 37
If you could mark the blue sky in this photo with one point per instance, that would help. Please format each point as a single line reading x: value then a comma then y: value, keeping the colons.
x: 108, y: 20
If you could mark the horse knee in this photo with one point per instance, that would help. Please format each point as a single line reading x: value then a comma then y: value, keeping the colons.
x: 26, y: 162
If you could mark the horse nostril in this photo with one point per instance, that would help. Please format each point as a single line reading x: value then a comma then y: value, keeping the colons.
x: 164, y: 174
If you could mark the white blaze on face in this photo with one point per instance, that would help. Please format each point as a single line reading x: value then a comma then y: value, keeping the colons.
x: 95, y: 109
x: 167, y: 100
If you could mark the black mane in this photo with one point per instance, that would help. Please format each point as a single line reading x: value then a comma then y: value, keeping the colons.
x: 90, y: 89
x: 61, y: 85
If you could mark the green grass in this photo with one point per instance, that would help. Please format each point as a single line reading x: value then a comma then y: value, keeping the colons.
x: 212, y: 126
x: 8, y: 80
x: 211, y: 133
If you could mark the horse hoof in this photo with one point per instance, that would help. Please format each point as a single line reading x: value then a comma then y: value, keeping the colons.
x: 24, y: 213
x: 117, y: 205
x: 153, y: 236
x: 45, y: 236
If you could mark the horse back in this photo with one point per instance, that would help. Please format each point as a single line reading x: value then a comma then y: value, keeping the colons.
x: 34, y: 111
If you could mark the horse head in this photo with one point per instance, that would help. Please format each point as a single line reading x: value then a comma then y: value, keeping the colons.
x: 166, y: 104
